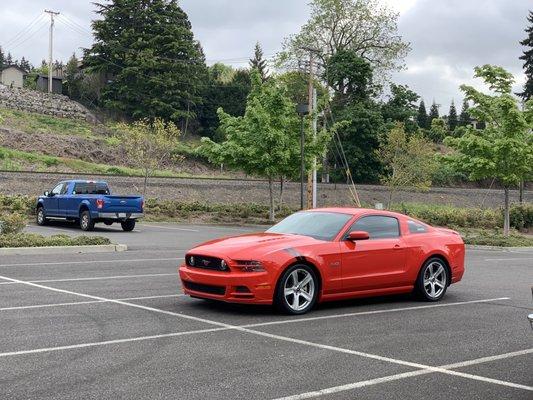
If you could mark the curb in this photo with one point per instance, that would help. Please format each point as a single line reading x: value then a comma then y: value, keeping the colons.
x: 22, y: 251
x: 500, y: 248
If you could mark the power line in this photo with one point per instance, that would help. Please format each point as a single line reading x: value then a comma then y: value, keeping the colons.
x: 21, y: 34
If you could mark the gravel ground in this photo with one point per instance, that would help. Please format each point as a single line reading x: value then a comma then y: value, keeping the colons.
x: 239, y: 191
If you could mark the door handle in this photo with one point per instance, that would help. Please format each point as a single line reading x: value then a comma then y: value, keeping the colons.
x: 397, y: 247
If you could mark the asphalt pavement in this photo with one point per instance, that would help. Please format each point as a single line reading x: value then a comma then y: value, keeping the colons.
x: 116, y: 326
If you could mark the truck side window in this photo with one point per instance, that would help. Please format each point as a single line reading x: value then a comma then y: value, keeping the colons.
x: 64, y: 189
x: 57, y: 190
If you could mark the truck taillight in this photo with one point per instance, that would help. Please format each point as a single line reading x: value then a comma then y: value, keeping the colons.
x: 142, y: 205
x: 99, y: 203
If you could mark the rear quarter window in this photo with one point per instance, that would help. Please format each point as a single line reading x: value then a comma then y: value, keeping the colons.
x: 416, y: 227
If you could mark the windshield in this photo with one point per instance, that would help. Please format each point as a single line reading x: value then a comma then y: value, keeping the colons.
x: 90, y: 188
x: 318, y: 225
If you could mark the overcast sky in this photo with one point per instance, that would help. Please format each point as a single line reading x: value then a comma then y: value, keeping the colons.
x: 448, y: 37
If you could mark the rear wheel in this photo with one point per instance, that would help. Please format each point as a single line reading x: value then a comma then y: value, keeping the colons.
x: 41, y: 217
x: 433, y: 280
x: 128, y: 225
x: 297, y: 290
x: 86, y: 222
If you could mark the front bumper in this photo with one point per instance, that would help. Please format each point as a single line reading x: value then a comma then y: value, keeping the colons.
x: 231, y: 287
x: 119, y: 215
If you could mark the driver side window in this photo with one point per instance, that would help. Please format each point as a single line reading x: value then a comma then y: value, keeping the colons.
x: 378, y: 226
x: 58, y: 188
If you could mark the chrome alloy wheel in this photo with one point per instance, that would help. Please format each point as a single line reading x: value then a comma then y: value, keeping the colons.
x: 435, y: 279
x: 84, y: 222
x: 299, y: 289
x: 40, y: 216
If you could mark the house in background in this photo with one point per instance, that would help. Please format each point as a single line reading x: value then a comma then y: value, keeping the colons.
x: 12, y: 76
x: 42, y: 84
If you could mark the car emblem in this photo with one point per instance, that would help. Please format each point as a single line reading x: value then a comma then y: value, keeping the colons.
x: 205, y: 262
x: 123, y: 202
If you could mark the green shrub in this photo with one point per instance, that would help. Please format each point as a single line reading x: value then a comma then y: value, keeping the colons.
x: 495, y: 238
x: 522, y: 216
x: 33, y: 240
x: 116, y: 171
x: 12, y: 223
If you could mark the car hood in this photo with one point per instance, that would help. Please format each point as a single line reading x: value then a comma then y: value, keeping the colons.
x: 251, y: 246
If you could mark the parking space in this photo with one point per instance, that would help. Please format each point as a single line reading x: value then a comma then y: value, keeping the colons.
x: 116, y: 325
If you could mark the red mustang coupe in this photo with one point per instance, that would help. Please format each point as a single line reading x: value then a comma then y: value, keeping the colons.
x: 326, y: 254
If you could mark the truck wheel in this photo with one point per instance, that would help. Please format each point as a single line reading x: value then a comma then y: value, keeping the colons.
x: 86, y: 222
x: 41, y: 217
x: 128, y: 225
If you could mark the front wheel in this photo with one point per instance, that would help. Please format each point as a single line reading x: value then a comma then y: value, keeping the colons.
x: 432, y: 281
x: 41, y: 217
x: 86, y: 222
x: 297, y: 290
x: 128, y: 225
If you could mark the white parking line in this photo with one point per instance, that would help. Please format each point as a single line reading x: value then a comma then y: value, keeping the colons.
x: 85, y: 302
x: 395, y: 377
x: 172, y: 228
x: 390, y: 310
x: 135, y: 260
x: 509, y: 259
x: 98, y: 278
x: 281, y: 338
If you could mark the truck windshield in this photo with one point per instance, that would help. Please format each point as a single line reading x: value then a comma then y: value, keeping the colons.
x: 318, y: 225
x: 90, y: 188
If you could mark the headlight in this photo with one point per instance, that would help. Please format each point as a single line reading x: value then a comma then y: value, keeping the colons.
x: 191, y: 261
x: 250, y: 266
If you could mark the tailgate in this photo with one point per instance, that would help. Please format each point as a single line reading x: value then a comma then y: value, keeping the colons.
x: 123, y: 204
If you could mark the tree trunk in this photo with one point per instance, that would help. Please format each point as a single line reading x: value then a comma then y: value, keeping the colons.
x: 271, y: 215
x: 506, y: 222
x: 521, y: 192
x: 280, y: 203
x: 391, y: 192
x: 145, y: 182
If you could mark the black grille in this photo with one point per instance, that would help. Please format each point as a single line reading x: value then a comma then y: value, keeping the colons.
x: 206, y: 262
x: 198, y: 287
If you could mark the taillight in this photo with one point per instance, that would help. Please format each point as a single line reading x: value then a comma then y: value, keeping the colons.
x: 99, y: 203
x: 142, y: 205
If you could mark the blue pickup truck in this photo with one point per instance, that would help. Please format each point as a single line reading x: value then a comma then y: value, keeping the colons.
x: 89, y: 202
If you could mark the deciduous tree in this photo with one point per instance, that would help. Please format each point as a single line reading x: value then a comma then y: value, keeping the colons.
x: 149, y: 144
x: 409, y: 161
x: 504, y: 149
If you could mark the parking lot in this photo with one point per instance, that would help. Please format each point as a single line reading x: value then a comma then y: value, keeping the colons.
x: 116, y: 326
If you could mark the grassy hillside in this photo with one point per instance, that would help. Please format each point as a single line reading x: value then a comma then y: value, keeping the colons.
x: 43, y: 143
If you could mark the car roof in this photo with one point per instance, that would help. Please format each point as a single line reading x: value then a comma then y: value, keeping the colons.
x: 83, y: 181
x: 356, y: 211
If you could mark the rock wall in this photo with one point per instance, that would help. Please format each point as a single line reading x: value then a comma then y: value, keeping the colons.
x: 43, y: 103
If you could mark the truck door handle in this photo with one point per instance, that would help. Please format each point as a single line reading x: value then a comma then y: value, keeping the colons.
x: 397, y: 247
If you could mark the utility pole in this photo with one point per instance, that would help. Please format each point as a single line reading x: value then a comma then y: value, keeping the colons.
x: 50, y: 49
x: 311, y: 178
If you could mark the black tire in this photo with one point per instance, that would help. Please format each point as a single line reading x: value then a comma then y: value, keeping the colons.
x: 41, y: 217
x: 86, y: 222
x: 432, y: 280
x: 128, y: 225
x: 287, y: 303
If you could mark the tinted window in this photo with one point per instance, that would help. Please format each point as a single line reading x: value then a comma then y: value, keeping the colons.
x: 58, y: 188
x: 378, y: 227
x: 90, y: 188
x: 416, y: 227
x: 65, y: 188
x: 318, y: 225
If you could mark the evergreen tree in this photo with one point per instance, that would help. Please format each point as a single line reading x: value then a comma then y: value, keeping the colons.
x: 9, y: 59
x: 453, y: 121
x: 2, y: 58
x: 527, y: 57
x: 147, y: 51
x: 422, y: 116
x: 433, y: 113
x: 73, y: 77
x: 25, y: 65
x: 464, y: 117
x: 259, y: 63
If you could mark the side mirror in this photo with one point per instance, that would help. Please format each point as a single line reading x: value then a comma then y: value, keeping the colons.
x: 47, y: 194
x: 358, y: 235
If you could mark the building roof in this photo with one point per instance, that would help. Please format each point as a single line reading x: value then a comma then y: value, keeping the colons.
x: 14, y: 66
x: 46, y: 77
